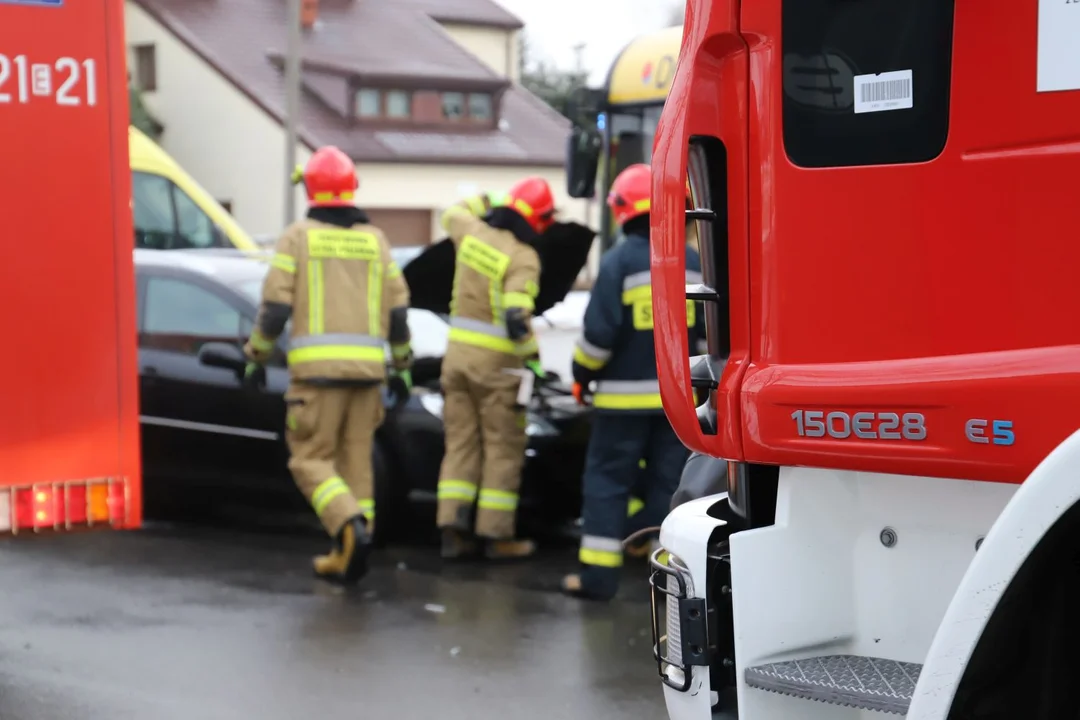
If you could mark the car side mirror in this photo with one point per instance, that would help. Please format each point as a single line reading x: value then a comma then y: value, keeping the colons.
x: 223, y: 355
x: 582, y: 160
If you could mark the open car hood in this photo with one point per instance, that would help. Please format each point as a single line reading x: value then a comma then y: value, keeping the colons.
x: 563, y: 250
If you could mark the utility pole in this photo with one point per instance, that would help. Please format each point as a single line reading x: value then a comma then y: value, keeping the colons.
x: 292, y: 104
x: 581, y: 76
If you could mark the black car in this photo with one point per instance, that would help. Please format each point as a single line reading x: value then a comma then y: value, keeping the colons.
x: 209, y: 441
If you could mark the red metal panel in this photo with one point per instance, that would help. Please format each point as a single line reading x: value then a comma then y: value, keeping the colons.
x: 71, y: 408
x: 707, y: 97
x: 946, y: 288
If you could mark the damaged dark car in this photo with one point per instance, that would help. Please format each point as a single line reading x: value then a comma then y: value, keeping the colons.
x: 209, y: 441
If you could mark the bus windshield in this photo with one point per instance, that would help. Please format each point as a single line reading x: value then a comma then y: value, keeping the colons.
x: 629, y: 134
x: 628, y: 139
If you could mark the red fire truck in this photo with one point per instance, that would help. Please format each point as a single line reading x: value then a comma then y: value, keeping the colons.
x: 70, y: 424
x: 887, y: 223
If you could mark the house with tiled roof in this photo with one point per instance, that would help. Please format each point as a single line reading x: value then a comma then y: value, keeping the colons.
x: 423, y: 94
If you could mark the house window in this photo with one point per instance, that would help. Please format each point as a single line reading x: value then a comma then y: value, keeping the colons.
x: 480, y: 107
x: 453, y: 105
x: 368, y: 103
x: 146, y: 67
x: 398, y: 104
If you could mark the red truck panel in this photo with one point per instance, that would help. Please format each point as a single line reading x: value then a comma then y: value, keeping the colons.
x: 71, y: 410
x: 944, y: 288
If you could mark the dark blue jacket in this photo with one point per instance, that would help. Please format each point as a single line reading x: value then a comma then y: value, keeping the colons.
x: 616, y: 348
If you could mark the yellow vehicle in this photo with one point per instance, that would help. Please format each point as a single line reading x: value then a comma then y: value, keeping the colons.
x: 627, y: 112
x: 171, y: 210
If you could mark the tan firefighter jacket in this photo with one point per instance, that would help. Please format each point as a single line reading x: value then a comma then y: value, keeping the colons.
x: 495, y: 272
x: 340, y: 286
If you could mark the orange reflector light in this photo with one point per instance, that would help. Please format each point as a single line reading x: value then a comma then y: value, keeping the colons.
x: 98, y: 507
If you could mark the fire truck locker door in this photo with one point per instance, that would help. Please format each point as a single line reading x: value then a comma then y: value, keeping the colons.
x: 60, y: 224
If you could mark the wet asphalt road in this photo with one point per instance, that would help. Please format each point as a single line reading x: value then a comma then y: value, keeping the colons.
x: 188, y: 622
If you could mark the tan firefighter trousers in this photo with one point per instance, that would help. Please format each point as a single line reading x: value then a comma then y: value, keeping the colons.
x: 330, y: 432
x: 485, y: 450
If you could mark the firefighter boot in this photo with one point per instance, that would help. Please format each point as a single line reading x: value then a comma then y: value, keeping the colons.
x: 509, y: 549
x: 457, y: 544
x: 346, y: 562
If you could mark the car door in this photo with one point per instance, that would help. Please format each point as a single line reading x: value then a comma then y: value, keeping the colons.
x: 264, y: 412
x: 194, y: 416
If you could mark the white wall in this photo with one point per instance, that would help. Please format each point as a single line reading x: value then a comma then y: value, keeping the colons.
x: 495, y: 47
x: 436, y: 187
x: 225, y: 141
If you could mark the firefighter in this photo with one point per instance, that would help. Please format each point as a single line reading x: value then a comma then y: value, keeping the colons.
x: 496, y: 282
x: 333, y: 274
x: 631, y: 435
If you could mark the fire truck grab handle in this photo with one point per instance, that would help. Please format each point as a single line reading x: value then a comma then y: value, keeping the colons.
x: 705, y: 105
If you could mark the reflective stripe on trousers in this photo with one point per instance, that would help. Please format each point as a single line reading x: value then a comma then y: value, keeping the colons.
x: 627, y: 395
x: 462, y: 490
x: 498, y: 500
x: 325, y: 493
x: 336, y: 346
x: 488, y: 336
x: 465, y: 491
x: 601, y: 551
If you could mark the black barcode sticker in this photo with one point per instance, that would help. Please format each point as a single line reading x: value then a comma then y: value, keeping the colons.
x: 884, y: 91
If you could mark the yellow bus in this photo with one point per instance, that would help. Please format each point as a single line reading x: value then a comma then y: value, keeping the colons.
x: 627, y: 112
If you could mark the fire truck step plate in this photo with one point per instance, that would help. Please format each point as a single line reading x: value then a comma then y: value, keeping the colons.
x: 851, y: 680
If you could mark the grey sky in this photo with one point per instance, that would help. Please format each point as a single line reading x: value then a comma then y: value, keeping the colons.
x: 605, y: 26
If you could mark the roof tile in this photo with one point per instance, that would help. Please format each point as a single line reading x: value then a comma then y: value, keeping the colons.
x: 367, y: 38
x: 473, y: 12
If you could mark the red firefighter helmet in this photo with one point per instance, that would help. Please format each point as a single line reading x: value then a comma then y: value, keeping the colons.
x: 330, y: 178
x: 629, y: 196
x: 531, y: 198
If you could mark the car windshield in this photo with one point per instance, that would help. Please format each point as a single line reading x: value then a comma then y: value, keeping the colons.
x: 430, y: 333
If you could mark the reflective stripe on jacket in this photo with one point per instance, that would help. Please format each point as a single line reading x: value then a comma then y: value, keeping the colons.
x: 341, y: 284
x: 495, y: 272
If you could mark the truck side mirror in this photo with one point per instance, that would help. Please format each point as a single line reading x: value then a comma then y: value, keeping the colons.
x: 583, y: 149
